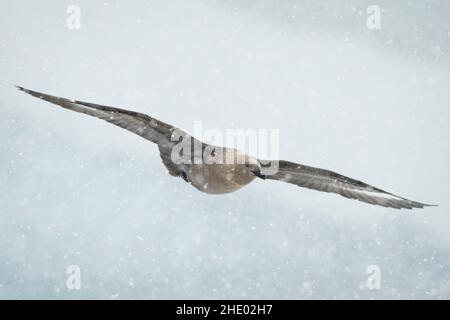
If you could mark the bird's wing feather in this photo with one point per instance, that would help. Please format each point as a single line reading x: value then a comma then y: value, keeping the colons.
x: 329, y: 181
x: 141, y: 124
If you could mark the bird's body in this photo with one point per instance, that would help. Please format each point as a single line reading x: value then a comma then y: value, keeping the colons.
x: 219, y: 170
x: 218, y: 179
x: 230, y: 173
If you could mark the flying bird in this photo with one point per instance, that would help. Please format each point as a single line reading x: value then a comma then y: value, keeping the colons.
x: 220, y: 177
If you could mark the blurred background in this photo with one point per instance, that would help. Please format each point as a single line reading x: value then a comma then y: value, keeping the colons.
x: 372, y: 104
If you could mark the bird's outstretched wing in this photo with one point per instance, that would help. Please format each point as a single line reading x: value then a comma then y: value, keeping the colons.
x: 141, y: 124
x: 154, y: 130
x: 328, y: 181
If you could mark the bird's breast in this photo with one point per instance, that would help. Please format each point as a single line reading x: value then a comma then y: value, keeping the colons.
x: 218, y: 178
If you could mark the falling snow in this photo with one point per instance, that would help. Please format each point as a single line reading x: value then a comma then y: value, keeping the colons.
x: 371, y: 104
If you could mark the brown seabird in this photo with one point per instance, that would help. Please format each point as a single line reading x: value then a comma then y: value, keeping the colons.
x: 234, y: 169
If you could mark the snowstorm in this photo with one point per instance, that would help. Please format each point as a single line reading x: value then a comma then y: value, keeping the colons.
x: 88, y: 210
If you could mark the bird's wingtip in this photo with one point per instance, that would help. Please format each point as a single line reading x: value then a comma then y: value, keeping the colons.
x: 424, y: 205
x: 20, y: 88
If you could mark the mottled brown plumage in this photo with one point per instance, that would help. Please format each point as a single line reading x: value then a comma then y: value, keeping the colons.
x: 227, y: 169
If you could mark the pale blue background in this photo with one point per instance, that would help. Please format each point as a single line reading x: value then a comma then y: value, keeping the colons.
x: 374, y: 105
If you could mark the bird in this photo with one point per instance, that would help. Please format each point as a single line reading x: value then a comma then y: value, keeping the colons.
x: 225, y: 170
